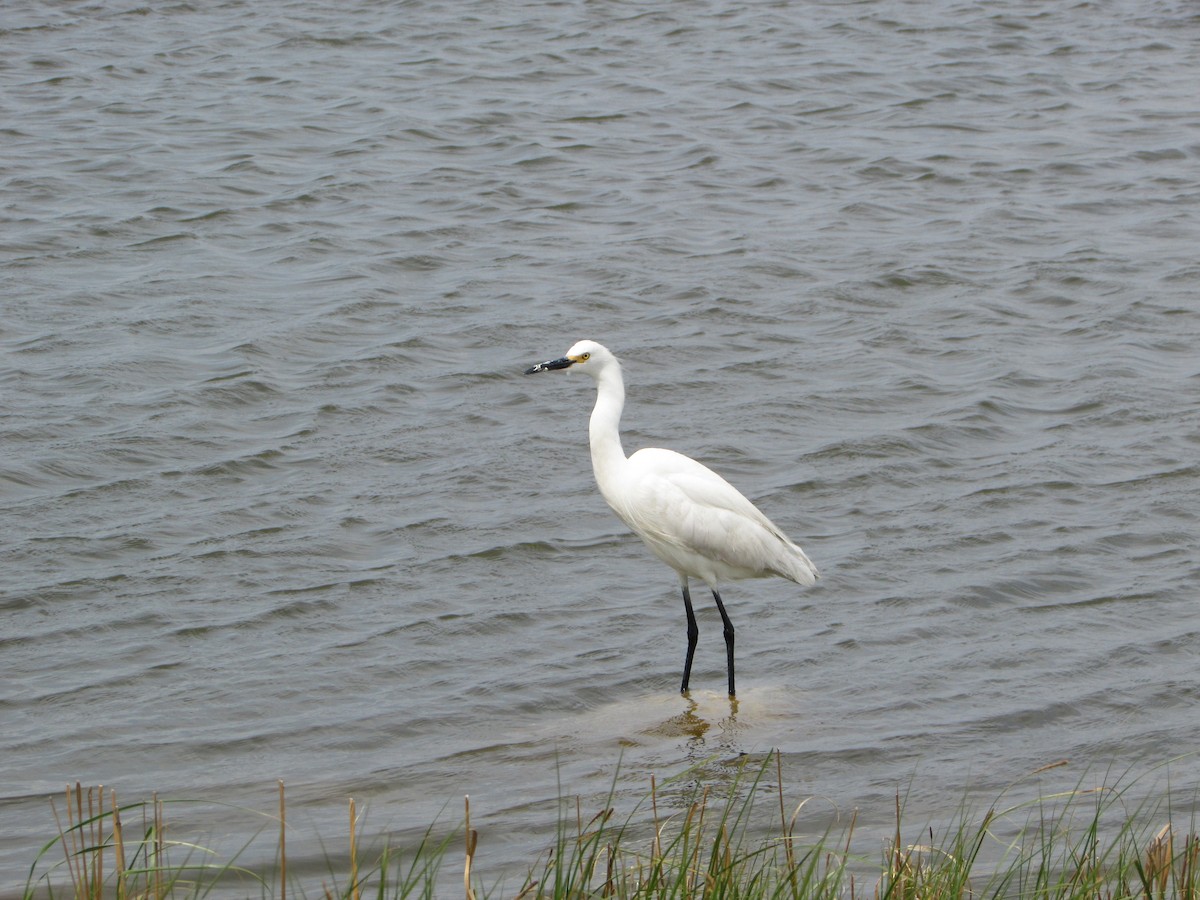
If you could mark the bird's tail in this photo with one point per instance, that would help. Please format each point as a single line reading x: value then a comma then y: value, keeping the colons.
x: 798, y: 567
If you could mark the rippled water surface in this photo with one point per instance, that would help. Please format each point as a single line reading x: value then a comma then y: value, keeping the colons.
x: 921, y: 279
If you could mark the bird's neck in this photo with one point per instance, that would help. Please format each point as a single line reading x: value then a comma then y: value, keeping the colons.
x: 604, y: 429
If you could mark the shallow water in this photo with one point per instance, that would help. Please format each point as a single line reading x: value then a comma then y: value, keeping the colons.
x: 921, y: 279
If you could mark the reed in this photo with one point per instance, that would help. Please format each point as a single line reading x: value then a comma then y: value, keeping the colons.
x: 682, y: 840
x: 102, y: 857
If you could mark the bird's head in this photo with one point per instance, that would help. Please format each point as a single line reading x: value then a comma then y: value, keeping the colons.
x: 588, y: 356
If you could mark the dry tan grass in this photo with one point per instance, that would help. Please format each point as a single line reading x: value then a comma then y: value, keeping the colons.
x: 709, y: 848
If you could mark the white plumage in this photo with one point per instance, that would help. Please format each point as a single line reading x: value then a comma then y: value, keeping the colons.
x: 689, y: 516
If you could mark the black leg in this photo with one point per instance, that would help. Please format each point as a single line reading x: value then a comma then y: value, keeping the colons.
x: 728, y: 640
x: 693, y: 634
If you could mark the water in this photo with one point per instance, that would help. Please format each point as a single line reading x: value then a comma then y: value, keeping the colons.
x: 920, y: 278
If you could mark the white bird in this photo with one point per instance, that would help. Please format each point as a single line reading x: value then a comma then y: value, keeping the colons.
x: 689, y: 516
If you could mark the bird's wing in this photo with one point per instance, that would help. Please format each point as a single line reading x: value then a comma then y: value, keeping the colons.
x: 679, y: 502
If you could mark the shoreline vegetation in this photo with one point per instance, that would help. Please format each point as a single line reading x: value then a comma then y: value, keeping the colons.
x: 738, y: 839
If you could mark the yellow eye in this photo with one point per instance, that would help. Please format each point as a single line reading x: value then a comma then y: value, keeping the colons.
x: 586, y: 357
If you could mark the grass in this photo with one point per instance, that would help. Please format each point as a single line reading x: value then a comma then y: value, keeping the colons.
x: 683, y: 840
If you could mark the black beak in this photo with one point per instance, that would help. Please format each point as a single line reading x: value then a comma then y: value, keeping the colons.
x: 560, y: 363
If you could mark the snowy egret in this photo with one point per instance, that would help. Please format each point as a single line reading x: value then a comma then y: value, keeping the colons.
x: 689, y: 516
